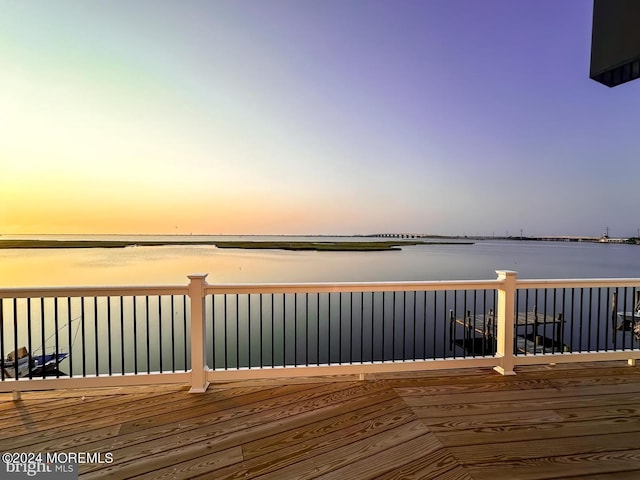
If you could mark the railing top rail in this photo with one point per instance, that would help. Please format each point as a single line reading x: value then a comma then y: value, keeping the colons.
x: 125, y: 291
x: 578, y: 283
x: 316, y: 287
x: 268, y: 288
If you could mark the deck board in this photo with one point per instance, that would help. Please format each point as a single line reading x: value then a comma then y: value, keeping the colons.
x: 440, y: 465
x: 605, y: 464
x: 516, y: 404
x: 541, y: 431
x: 417, y: 400
x: 552, y: 422
x: 392, y: 460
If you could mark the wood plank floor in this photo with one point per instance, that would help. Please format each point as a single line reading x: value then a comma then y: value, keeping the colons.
x: 562, y: 421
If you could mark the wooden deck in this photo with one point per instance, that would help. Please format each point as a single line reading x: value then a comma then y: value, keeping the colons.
x: 563, y: 421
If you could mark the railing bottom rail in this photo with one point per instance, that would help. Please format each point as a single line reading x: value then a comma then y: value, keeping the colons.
x: 25, y: 384
x: 551, y: 358
x: 354, y: 369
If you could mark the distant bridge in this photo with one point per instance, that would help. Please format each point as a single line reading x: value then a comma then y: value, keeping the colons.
x: 399, y: 235
x: 549, y: 238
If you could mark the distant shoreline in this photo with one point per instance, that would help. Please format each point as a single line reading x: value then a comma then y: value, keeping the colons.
x: 274, y: 245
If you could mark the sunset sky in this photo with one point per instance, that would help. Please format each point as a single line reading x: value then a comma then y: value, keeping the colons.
x: 311, y: 117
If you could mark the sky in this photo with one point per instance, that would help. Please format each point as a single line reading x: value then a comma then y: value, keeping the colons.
x: 311, y: 117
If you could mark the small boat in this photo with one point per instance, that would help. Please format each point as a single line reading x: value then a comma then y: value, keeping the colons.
x: 629, y: 320
x: 36, y: 364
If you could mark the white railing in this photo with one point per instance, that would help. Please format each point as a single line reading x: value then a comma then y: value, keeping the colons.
x: 201, y: 333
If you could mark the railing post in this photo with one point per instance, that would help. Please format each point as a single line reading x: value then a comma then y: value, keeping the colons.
x: 505, y: 321
x: 199, y: 383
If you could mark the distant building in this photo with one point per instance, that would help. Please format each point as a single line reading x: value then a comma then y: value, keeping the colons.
x: 615, y: 42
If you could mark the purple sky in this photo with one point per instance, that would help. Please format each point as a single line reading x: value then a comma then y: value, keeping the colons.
x: 338, y: 116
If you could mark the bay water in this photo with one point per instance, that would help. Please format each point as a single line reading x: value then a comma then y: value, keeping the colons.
x: 160, y: 265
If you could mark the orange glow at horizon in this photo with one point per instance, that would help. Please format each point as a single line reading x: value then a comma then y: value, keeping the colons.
x: 102, y: 210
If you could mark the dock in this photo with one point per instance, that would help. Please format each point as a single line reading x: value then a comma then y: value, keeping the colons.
x: 480, y: 332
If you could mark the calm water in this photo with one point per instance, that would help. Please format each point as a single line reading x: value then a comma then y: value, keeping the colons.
x: 171, y: 264
x: 318, y: 328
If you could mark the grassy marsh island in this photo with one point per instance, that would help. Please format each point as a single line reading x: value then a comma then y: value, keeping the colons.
x: 329, y: 246
x: 345, y: 246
